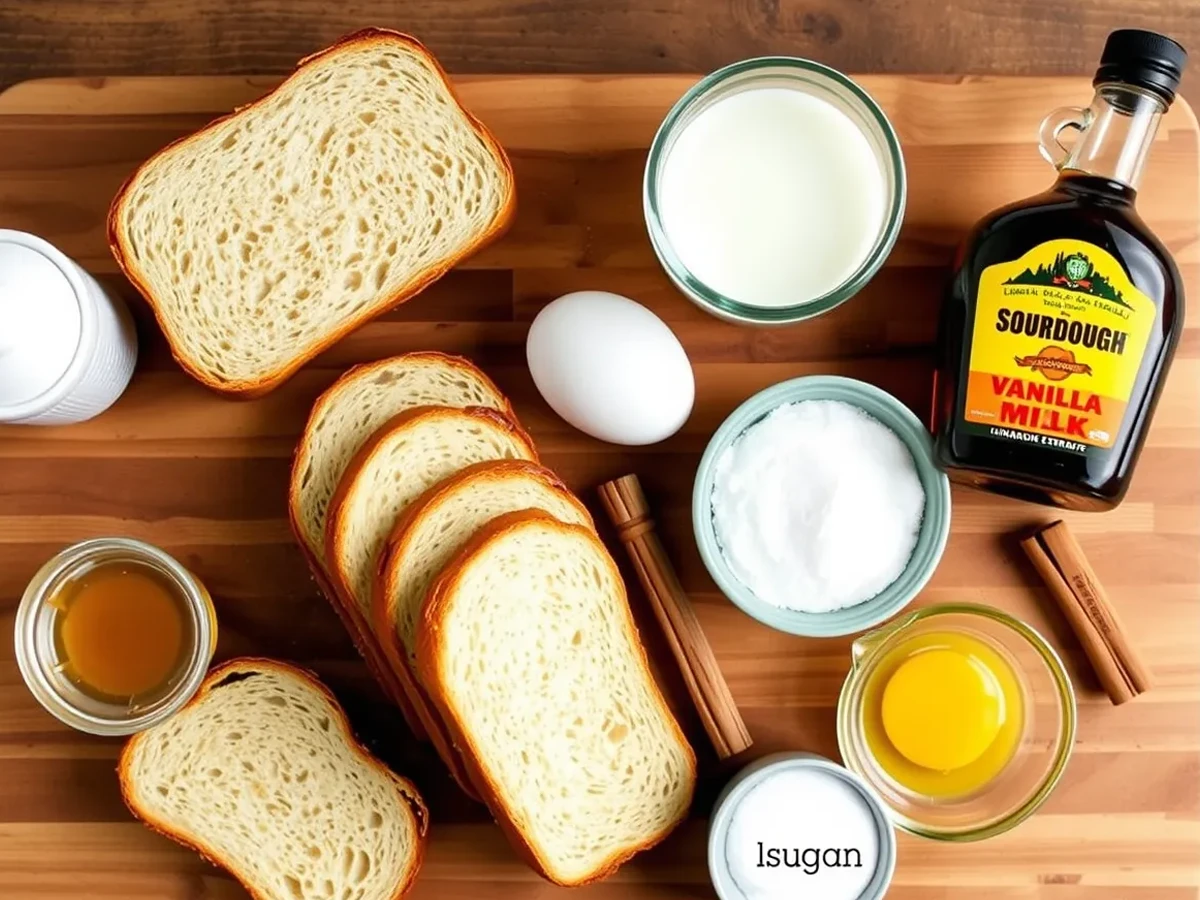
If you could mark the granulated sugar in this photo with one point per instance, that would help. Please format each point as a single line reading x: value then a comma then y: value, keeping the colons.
x: 802, y: 833
x: 817, y: 506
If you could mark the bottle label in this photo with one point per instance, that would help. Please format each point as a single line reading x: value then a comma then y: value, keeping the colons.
x: 1059, y: 336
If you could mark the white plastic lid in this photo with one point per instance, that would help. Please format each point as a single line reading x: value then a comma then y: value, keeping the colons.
x: 40, y: 323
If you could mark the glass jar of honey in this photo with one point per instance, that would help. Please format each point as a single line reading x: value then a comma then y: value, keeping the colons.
x: 113, y: 635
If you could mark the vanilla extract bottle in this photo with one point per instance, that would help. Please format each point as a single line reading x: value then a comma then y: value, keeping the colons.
x: 1064, y: 309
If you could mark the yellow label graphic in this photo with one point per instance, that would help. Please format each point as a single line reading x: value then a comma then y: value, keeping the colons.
x: 1059, y: 336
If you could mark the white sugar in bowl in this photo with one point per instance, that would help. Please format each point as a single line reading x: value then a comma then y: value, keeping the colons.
x: 67, y: 348
x: 611, y: 368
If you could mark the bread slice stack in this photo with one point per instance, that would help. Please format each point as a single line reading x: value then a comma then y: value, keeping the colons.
x: 342, y: 420
x: 261, y: 774
x: 435, y: 528
x: 405, y: 467
x: 271, y: 233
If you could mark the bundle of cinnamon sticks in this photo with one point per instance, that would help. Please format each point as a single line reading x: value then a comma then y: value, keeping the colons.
x: 1060, y: 562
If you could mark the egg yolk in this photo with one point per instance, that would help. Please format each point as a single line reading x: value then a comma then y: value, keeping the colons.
x: 942, y: 709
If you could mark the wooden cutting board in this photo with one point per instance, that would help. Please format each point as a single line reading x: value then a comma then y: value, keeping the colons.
x: 205, y: 478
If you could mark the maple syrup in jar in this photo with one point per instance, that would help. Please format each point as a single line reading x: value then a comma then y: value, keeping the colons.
x: 1064, y: 309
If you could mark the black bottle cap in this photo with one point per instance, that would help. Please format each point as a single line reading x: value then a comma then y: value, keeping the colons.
x: 1144, y: 59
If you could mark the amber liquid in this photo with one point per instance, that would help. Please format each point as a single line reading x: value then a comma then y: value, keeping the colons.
x: 122, y: 632
x: 1086, y: 208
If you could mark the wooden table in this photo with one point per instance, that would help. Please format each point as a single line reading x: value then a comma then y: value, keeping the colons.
x: 209, y: 37
x: 205, y: 478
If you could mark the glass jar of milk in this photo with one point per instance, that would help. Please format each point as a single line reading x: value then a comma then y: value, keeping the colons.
x: 774, y: 190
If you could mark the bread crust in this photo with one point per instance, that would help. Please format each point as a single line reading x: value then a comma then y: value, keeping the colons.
x: 331, y: 393
x: 383, y: 613
x: 364, y: 639
x: 335, y: 539
x: 367, y: 646
x: 429, y: 665
x: 249, y: 389
x: 406, y: 788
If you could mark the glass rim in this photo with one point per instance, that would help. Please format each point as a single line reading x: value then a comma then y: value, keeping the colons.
x: 39, y: 591
x: 1066, y: 737
x: 725, y: 306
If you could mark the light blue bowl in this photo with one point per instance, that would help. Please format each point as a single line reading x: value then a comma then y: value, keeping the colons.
x: 935, y: 525
x: 758, y: 771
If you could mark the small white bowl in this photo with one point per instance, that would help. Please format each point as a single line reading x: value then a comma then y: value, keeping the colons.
x: 757, y: 772
x: 935, y: 523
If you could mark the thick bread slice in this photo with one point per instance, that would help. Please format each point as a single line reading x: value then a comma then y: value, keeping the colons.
x: 434, y: 529
x: 529, y: 650
x: 406, y: 456
x: 271, y: 233
x: 353, y: 408
x: 341, y: 421
x: 260, y: 773
x: 429, y: 533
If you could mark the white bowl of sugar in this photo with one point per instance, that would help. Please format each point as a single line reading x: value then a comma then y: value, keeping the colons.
x: 817, y: 507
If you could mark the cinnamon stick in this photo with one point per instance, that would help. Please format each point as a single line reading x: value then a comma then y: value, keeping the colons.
x: 1073, y: 584
x: 626, y: 505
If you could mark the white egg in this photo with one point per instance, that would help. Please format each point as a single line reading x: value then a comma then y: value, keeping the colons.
x: 611, y: 368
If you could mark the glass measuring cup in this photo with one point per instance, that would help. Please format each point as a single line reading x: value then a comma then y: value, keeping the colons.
x: 1036, y: 767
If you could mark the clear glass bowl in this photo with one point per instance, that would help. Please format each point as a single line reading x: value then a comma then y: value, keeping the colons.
x: 1036, y: 767
x: 42, y: 668
x: 819, y: 81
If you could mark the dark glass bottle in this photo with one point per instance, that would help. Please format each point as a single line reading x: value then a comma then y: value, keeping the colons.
x: 1064, y: 310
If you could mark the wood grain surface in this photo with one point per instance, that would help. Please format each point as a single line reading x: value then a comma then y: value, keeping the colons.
x: 186, y: 37
x: 206, y: 479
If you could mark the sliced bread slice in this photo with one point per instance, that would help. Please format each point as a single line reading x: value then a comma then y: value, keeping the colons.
x: 268, y: 235
x: 341, y: 421
x: 428, y: 534
x: 529, y: 650
x: 405, y: 457
x: 353, y: 408
x: 261, y: 774
x: 434, y: 529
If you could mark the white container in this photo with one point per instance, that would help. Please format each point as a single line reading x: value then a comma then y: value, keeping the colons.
x: 67, y: 348
x: 761, y: 770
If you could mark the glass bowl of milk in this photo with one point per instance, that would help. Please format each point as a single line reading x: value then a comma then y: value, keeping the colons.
x: 774, y: 190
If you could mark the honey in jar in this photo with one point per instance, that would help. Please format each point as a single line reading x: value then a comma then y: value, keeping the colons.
x: 114, y: 635
x: 123, y: 631
x: 1064, y: 309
